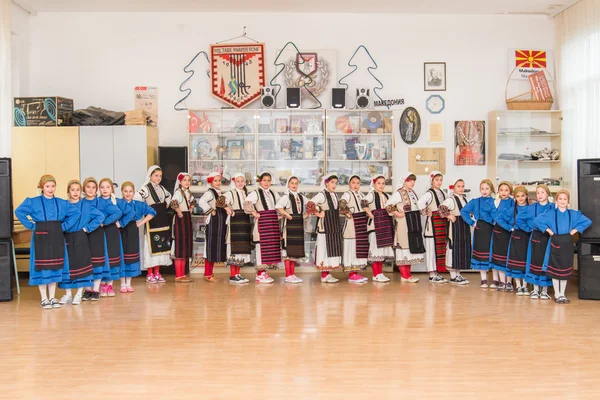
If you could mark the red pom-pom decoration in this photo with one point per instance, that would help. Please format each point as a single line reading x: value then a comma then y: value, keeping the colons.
x: 451, y: 187
x: 180, y: 177
x: 375, y: 180
x: 210, y: 179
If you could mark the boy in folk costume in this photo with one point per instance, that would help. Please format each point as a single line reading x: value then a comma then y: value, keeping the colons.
x: 356, y: 236
x: 265, y: 233
x: 535, y: 273
x: 380, y: 227
x: 329, y: 246
x: 239, y: 230
x: 78, y: 272
x: 408, y: 231
x: 213, y: 204
x: 157, y: 249
x: 130, y: 236
x: 561, y: 223
x: 292, y: 206
x: 503, y: 221
x: 112, y: 232
x: 181, y: 248
x: 479, y: 214
x: 458, y: 254
x: 436, y: 228
x: 50, y: 217
x: 519, y: 241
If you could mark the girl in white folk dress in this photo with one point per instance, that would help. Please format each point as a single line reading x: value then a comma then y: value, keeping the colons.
x: 356, y: 237
x: 157, y: 249
x: 408, y: 237
x: 214, y: 204
x: 265, y: 234
x: 329, y: 247
x: 239, y: 230
x: 458, y: 253
x: 380, y: 228
x: 292, y: 207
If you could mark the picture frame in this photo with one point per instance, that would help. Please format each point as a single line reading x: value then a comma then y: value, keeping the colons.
x: 235, y: 149
x: 435, y: 132
x: 434, y: 76
x: 410, y: 125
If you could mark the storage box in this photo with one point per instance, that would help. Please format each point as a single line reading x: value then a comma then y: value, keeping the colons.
x: 42, y: 111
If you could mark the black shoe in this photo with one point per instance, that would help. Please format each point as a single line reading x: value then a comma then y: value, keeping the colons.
x: 236, y: 280
x: 501, y: 287
x: 87, y: 295
x: 242, y: 278
x: 509, y: 287
x: 95, y: 296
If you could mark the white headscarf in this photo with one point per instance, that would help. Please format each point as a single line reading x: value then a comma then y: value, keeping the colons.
x: 287, y: 189
x: 372, y: 185
x: 403, y: 179
x: 149, y: 174
x: 238, y: 175
x: 212, y: 175
x: 326, y: 178
x: 432, y: 175
x: 180, y: 177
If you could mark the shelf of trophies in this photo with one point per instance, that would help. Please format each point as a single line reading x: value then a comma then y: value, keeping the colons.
x: 304, y: 143
x: 525, y: 148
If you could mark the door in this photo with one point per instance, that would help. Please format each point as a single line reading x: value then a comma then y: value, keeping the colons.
x: 130, y: 154
x: 28, y: 161
x: 96, y: 152
x: 62, y: 156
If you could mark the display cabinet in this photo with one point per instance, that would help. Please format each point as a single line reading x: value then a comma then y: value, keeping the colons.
x: 525, y: 148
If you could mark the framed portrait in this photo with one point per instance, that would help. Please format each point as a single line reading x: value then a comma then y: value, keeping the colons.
x: 410, y: 125
x: 435, y: 76
x: 469, y: 143
x: 235, y: 149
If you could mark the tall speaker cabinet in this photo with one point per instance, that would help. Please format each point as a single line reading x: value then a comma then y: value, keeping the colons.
x: 43, y: 150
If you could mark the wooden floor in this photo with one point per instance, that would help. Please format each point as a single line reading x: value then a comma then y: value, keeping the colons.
x: 311, y: 341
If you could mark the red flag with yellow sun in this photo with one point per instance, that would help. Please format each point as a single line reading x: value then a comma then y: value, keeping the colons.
x: 530, y: 58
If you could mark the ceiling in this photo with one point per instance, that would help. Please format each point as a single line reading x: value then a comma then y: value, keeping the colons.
x: 541, y: 7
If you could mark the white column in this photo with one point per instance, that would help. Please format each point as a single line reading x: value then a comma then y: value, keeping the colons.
x: 5, y: 79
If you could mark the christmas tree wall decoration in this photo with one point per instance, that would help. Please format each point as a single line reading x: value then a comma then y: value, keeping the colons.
x: 372, y: 66
x: 191, y: 72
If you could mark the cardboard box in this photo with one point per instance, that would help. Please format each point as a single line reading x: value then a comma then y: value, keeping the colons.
x: 42, y: 111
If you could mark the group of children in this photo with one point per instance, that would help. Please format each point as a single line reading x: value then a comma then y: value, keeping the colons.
x: 92, y: 239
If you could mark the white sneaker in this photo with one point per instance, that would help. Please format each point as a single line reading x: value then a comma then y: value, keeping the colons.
x: 292, y: 279
x: 298, y: 280
x: 66, y: 299
x: 243, y: 279
x: 412, y: 279
x: 381, y: 278
x: 76, y: 300
x: 264, y: 278
x: 330, y: 279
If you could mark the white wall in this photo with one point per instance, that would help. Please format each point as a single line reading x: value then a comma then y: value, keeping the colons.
x: 20, y: 50
x: 97, y: 59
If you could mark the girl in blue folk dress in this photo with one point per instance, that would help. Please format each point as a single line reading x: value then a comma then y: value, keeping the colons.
x: 78, y: 271
x: 97, y: 238
x: 478, y: 213
x: 112, y: 232
x: 130, y: 236
x: 535, y: 272
x: 561, y: 223
x: 50, y: 217
x: 503, y: 222
x: 519, y: 241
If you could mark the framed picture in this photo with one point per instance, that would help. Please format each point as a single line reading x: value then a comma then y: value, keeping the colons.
x: 435, y: 76
x: 435, y: 132
x: 410, y: 125
x: 469, y: 143
x: 235, y: 149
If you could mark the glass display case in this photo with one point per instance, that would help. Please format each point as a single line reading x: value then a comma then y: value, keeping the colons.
x: 525, y: 148
x: 223, y: 141
x: 360, y: 142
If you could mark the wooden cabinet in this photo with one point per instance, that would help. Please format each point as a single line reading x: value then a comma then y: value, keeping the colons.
x: 43, y: 150
x: 121, y: 153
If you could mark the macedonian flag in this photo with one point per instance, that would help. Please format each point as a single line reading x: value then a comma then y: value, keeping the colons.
x: 530, y: 58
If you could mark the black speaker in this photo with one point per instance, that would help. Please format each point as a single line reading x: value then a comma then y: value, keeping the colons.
x: 267, y: 97
x: 588, y: 264
x: 6, y: 268
x: 588, y: 195
x: 172, y: 160
x: 293, y: 97
x: 6, y: 204
x: 363, y: 98
x: 338, y: 98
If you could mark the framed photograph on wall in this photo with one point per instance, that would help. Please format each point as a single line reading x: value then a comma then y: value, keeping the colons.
x: 469, y: 143
x: 435, y: 76
x: 435, y: 132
